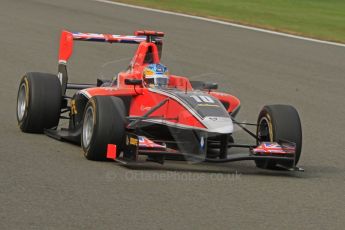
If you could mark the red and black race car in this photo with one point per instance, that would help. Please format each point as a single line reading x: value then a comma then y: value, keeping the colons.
x: 126, y: 117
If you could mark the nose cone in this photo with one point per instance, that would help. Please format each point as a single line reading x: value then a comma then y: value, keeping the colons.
x: 221, y: 125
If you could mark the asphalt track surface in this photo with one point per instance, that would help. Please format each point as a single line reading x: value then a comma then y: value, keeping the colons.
x: 48, y: 184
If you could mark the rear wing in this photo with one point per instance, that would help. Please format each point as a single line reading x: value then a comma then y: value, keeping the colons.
x: 67, y: 39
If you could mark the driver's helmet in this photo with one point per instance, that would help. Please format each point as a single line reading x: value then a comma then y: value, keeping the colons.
x: 156, y: 75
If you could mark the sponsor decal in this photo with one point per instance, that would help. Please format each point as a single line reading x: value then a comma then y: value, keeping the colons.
x: 147, y: 143
x: 73, y: 107
x: 274, y: 147
x: 208, y: 105
x: 144, y: 108
x: 133, y: 141
x: 213, y: 118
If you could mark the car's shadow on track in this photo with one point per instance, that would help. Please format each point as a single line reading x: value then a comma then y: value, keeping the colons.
x: 246, y: 168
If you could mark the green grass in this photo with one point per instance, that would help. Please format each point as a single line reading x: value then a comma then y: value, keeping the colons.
x: 323, y: 19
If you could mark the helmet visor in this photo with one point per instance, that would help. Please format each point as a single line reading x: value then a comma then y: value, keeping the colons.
x: 157, y: 80
x: 161, y: 81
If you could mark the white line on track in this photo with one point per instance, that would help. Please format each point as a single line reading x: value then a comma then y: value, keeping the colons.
x: 222, y: 23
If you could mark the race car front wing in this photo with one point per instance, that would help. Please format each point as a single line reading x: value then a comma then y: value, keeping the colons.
x: 157, y: 152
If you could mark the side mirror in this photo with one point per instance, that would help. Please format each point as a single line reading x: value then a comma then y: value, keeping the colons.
x: 133, y: 81
x: 210, y: 85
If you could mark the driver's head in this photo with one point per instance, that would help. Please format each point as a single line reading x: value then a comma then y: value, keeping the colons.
x: 156, y: 75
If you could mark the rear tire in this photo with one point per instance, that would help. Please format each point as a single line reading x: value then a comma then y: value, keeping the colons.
x: 38, y: 102
x: 103, y: 124
x: 279, y: 122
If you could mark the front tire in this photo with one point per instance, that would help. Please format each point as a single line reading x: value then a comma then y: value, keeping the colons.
x: 279, y: 122
x: 38, y: 102
x: 103, y: 124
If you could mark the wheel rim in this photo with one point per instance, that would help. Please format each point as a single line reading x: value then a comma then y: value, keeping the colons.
x: 21, y: 103
x: 88, y: 126
x: 264, y: 130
